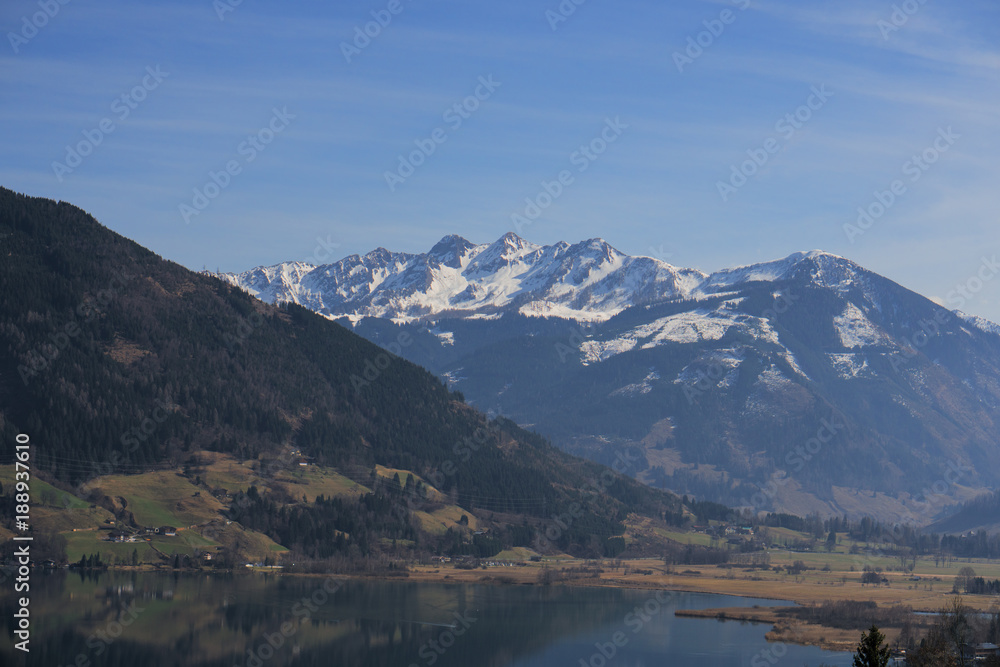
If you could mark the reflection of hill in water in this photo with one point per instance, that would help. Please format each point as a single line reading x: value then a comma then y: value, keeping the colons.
x: 164, y: 619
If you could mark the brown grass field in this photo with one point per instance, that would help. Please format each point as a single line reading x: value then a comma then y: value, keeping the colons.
x: 812, y: 587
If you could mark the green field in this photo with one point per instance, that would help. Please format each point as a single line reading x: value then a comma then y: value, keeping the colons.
x: 685, y: 538
x: 42, y: 493
x: 85, y: 543
x: 312, y: 481
x: 162, y: 498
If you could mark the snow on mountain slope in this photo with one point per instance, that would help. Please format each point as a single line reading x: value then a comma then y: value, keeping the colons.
x: 856, y: 330
x: 850, y: 365
x: 822, y: 269
x: 588, y: 281
x: 771, y: 271
x: 980, y: 323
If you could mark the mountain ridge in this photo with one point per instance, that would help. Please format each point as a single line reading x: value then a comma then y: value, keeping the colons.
x: 714, y: 380
x: 588, y: 281
x: 464, y: 279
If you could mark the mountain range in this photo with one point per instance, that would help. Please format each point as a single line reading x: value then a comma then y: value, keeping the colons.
x: 803, y: 384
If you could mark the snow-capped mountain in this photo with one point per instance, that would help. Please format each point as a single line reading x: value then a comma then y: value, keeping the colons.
x: 802, y: 384
x: 588, y: 281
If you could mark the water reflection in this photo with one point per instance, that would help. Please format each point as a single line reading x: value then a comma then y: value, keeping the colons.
x: 154, y: 619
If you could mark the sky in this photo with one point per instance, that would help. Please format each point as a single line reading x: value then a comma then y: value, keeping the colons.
x: 226, y: 134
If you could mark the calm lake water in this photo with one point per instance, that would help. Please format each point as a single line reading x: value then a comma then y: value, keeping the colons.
x: 152, y: 619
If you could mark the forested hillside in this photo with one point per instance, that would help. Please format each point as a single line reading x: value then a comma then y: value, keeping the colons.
x: 116, y: 361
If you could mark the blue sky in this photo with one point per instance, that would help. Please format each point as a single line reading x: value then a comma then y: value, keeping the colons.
x: 200, y: 91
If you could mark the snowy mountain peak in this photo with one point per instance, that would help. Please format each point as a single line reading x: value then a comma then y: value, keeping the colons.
x: 513, y: 240
x: 824, y: 267
x: 451, y: 250
x: 586, y: 281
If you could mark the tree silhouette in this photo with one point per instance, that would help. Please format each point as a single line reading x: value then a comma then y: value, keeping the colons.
x: 872, y: 650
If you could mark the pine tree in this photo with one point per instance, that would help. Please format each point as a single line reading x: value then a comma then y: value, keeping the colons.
x: 872, y: 650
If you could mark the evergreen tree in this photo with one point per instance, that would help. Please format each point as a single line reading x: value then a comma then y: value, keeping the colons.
x: 872, y: 650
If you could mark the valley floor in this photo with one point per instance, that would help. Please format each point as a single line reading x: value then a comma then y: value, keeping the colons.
x: 813, y: 587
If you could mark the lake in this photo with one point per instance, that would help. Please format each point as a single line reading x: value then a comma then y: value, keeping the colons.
x: 252, y: 619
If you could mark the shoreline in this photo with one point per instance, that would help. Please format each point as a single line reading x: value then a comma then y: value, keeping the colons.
x: 788, y: 630
x: 785, y: 627
x: 652, y: 575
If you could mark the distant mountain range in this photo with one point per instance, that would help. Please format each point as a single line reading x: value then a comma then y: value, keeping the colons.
x: 589, y: 281
x: 803, y: 384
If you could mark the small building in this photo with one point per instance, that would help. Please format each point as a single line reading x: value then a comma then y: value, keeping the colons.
x: 985, y: 650
x: 168, y: 531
